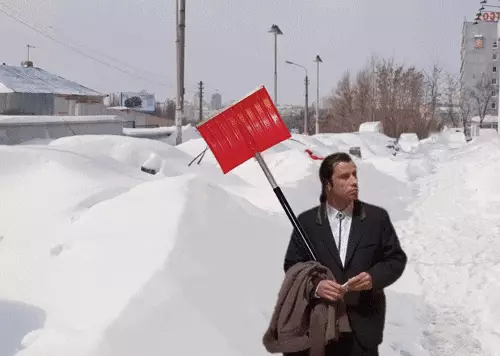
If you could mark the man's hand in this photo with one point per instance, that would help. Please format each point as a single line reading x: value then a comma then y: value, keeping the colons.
x: 361, y: 282
x: 330, y: 290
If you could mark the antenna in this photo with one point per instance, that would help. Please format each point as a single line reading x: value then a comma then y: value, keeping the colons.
x: 29, y: 46
x: 27, y: 63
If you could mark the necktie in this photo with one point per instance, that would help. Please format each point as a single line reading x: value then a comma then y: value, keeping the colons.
x: 341, y: 217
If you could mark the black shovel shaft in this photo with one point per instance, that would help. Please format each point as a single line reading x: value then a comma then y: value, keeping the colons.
x: 295, y: 222
x: 284, y: 203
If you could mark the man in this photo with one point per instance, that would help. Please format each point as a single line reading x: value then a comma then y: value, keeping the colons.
x: 359, y: 245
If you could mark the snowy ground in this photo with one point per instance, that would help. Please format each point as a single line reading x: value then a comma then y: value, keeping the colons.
x: 98, y: 258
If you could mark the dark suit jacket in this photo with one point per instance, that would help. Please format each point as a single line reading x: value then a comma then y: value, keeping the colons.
x: 373, y: 247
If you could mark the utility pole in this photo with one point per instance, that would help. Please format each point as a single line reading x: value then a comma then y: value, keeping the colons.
x: 200, y: 87
x: 180, y: 41
x: 318, y: 61
x: 306, y: 111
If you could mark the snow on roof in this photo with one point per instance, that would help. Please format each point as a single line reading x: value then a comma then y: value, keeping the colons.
x: 39, y: 81
x: 155, y: 131
x: 149, y: 131
x: 119, y: 108
x: 34, y: 120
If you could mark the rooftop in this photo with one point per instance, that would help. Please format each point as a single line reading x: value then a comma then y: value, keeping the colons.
x: 38, y: 81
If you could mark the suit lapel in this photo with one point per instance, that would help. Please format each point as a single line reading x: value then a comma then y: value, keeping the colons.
x: 326, y: 235
x: 357, y: 230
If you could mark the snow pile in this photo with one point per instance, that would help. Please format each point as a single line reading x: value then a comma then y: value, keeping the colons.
x: 409, y: 142
x: 452, y: 240
x: 149, y: 131
x: 418, y: 166
x: 372, y: 144
x: 189, y: 132
x: 129, y: 151
x: 99, y: 258
x: 371, y: 126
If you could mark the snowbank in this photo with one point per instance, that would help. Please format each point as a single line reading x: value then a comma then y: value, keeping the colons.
x: 188, y: 133
x: 372, y: 144
x: 455, y: 251
x: 409, y: 142
x: 375, y: 126
x: 99, y: 258
x: 130, y: 151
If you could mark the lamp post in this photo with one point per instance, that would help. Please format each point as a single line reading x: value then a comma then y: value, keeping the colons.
x: 306, y: 82
x: 276, y: 31
x: 318, y: 60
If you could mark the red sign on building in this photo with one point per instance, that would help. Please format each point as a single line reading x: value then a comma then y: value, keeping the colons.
x: 491, y: 16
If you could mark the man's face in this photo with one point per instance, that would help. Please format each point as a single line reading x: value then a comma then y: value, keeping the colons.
x: 345, y: 181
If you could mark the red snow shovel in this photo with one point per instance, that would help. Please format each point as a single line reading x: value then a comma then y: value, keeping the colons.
x: 244, y: 130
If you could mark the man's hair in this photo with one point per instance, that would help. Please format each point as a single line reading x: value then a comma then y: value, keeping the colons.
x: 327, y: 168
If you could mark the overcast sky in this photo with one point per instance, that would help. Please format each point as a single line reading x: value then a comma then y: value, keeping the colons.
x: 227, y: 44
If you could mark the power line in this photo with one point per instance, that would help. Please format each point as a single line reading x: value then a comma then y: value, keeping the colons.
x: 83, y: 53
x: 77, y: 50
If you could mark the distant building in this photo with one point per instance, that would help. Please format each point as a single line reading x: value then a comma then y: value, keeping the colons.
x: 480, y: 60
x: 216, y: 101
x: 148, y: 101
x: 326, y: 103
x: 196, y: 100
x: 28, y: 90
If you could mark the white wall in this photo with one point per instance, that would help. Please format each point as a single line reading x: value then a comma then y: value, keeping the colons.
x: 63, y: 106
x: 14, y: 134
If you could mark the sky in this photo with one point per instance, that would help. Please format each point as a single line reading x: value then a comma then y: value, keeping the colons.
x: 129, y: 45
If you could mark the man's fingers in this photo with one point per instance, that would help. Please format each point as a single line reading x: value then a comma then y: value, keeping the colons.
x: 360, y: 278
x: 333, y: 284
x: 363, y: 285
x: 334, y: 287
x: 354, y: 281
x: 333, y: 296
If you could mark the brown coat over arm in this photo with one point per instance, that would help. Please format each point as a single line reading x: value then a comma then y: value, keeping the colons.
x: 299, y: 321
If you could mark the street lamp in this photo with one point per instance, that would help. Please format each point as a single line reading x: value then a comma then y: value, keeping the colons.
x: 306, y: 81
x: 318, y: 61
x: 275, y: 30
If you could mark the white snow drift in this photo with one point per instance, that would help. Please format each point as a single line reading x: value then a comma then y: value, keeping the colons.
x: 98, y: 258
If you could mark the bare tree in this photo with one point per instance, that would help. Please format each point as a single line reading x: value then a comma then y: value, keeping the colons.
x: 401, y: 99
x: 395, y: 94
x: 433, y: 78
x: 465, y: 110
x: 170, y: 109
x: 363, y: 98
x: 343, y: 104
x: 451, y: 94
x: 160, y: 109
x: 481, y: 94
